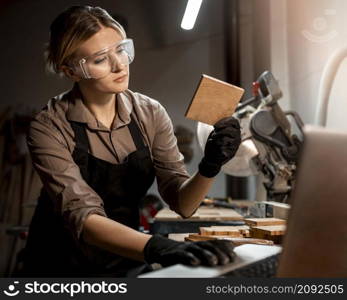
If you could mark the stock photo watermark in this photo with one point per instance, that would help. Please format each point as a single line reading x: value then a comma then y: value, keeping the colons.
x: 70, y: 289
x: 321, y: 31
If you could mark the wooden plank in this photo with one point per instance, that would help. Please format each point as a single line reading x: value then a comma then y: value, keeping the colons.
x: 264, y: 221
x: 242, y: 241
x: 213, y: 100
x: 198, y: 237
x: 220, y: 231
x: 236, y: 241
x: 218, y: 214
x: 202, y: 214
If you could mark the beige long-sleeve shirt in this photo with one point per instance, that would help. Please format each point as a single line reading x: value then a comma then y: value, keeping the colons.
x: 51, y: 144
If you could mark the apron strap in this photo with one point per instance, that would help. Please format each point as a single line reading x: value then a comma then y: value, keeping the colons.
x: 136, y: 134
x: 82, y: 143
x: 81, y: 138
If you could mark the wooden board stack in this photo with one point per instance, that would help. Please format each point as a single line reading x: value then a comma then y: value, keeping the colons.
x: 267, y: 228
x: 239, y: 235
x: 264, y: 231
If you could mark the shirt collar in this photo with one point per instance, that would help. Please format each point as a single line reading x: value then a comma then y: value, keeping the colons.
x: 78, y: 112
x: 124, y: 109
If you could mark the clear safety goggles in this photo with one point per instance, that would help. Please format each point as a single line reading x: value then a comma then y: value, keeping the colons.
x: 107, y: 60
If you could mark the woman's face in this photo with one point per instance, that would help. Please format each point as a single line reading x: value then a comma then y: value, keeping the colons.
x: 116, y: 81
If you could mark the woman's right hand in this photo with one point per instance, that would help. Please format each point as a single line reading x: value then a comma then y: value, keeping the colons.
x: 168, y: 252
x: 221, y: 146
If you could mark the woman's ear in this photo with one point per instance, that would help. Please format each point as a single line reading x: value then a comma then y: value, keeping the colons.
x: 70, y: 73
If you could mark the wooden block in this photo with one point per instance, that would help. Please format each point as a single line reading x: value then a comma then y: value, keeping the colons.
x: 270, y: 230
x: 206, y: 231
x: 213, y: 100
x: 274, y: 233
x: 264, y: 221
x: 231, y: 230
x: 243, y: 229
x: 218, y: 230
x: 225, y: 230
x: 235, y: 231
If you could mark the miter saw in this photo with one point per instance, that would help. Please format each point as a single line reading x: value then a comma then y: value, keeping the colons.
x: 269, y: 145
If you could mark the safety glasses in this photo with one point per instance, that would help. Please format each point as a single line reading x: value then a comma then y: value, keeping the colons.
x: 107, y: 60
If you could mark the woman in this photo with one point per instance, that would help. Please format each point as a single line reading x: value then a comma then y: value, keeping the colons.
x: 97, y: 149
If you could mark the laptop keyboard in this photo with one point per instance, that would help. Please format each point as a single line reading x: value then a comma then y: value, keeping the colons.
x: 265, y: 268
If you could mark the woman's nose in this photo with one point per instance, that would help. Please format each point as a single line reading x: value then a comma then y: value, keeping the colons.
x: 117, y: 64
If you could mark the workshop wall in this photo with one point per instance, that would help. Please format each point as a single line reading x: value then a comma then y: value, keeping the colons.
x: 306, y: 36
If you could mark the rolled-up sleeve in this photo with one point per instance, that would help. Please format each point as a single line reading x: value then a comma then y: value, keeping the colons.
x: 72, y: 197
x: 168, y: 161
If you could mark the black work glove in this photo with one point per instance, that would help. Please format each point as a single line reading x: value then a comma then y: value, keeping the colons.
x: 221, y: 146
x: 169, y: 252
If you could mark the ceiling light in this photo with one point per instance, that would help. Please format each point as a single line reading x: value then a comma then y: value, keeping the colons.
x: 192, y: 10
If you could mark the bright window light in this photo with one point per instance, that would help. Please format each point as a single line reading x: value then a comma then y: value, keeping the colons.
x: 192, y: 10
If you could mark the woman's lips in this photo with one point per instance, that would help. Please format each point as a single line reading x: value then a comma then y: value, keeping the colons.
x: 122, y: 78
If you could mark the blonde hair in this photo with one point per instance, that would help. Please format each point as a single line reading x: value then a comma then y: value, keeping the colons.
x: 71, y: 28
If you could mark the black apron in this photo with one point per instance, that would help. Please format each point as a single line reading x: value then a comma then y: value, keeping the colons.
x: 51, y: 250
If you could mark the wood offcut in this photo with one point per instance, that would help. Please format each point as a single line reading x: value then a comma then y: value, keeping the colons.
x: 213, y: 100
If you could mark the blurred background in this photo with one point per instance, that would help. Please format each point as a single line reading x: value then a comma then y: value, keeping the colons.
x: 232, y: 40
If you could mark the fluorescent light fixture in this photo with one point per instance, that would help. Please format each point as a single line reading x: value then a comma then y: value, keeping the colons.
x: 192, y: 10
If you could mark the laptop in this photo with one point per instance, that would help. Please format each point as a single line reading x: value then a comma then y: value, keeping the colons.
x: 315, y: 243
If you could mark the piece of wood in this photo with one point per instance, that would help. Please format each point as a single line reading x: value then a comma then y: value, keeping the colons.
x: 203, y: 213
x: 213, y: 100
x: 243, y: 229
x: 279, y: 210
x: 199, y: 237
x: 236, y: 241
x: 274, y: 233
x: 218, y: 214
x: 264, y: 221
x: 242, y: 241
x: 236, y: 231
x: 206, y: 231
x: 226, y: 231
x: 270, y: 230
x: 220, y: 231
